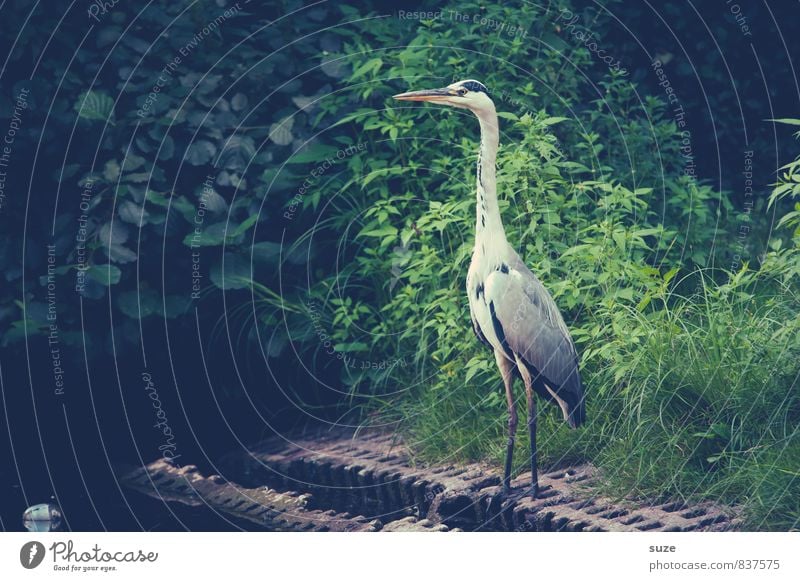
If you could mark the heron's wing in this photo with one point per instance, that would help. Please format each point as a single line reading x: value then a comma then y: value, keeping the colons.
x: 528, y: 323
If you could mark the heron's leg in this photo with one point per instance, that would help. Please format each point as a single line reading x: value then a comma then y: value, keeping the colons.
x: 507, y: 371
x: 528, y: 380
x: 532, y: 432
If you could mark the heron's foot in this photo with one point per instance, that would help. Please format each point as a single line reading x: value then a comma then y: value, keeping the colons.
x: 511, y: 498
x: 515, y: 493
x: 534, y: 490
x: 506, y: 489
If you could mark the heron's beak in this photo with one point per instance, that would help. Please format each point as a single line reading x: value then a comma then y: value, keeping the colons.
x: 427, y: 95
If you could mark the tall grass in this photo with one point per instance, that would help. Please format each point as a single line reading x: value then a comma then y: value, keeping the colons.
x: 694, y: 396
x: 709, y: 406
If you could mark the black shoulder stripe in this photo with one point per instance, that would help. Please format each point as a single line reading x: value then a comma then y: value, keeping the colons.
x: 479, y: 334
x: 501, y: 335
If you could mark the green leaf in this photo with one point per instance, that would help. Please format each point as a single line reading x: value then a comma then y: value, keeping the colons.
x: 671, y: 274
x: 373, y: 65
x: 266, y: 251
x: 95, y: 106
x: 471, y: 371
x: 786, y: 121
x: 280, y: 133
x: 139, y: 303
x: 383, y: 231
x: 120, y: 254
x: 355, y: 346
x: 200, y: 152
x: 624, y: 294
x: 507, y: 115
x: 213, y: 235
x: 105, y: 274
x: 112, y: 170
x: 132, y: 162
x: 553, y: 120
x: 245, y: 226
x: 138, y: 177
x: 174, y: 306
x: 236, y: 273
x: 313, y: 155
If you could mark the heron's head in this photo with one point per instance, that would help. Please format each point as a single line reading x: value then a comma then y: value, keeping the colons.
x: 467, y: 94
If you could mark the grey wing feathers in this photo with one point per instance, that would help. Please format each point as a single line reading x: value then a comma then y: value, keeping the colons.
x: 534, y: 330
x: 538, y: 295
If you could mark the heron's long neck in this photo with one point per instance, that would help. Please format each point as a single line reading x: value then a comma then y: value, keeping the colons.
x: 489, y: 230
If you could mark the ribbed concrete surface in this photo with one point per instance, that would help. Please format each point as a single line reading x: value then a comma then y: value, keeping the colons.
x: 335, y: 481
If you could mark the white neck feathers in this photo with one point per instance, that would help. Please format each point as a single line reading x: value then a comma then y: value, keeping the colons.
x: 489, y: 232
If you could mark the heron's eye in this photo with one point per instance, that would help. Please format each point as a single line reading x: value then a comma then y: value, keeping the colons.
x: 461, y: 92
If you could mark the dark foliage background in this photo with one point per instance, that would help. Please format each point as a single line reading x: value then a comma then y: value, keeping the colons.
x: 271, y: 242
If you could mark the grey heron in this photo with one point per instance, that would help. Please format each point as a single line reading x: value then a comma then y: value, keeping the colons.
x: 511, y: 311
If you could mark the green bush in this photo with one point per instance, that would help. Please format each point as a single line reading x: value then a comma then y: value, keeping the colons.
x: 586, y: 218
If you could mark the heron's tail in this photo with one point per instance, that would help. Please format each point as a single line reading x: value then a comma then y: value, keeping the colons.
x: 576, y: 415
